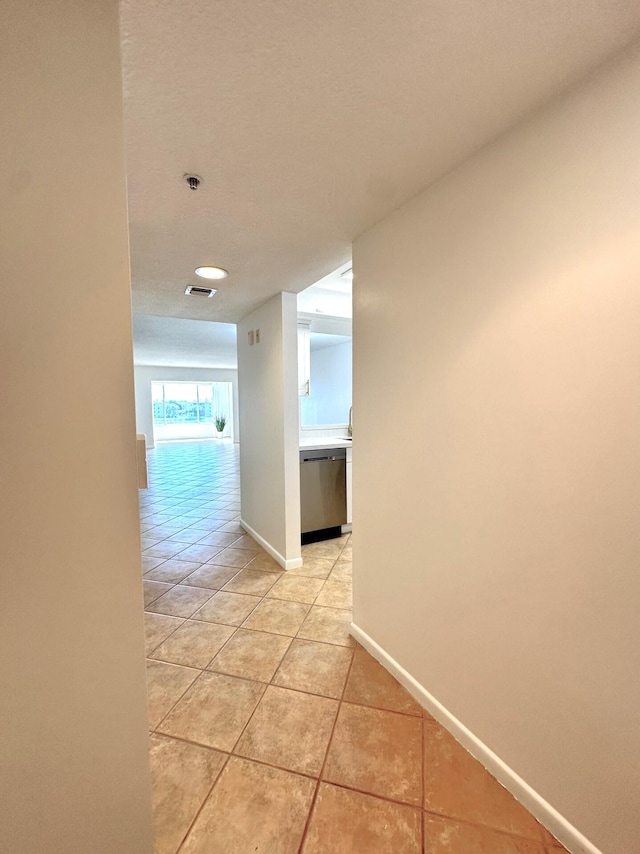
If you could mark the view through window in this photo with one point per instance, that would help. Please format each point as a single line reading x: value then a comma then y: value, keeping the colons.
x: 190, y: 410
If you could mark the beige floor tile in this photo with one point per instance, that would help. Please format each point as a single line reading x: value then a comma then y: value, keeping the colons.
x: 342, y: 571
x: 274, y: 615
x: 329, y: 625
x: 232, y: 527
x: 289, y: 729
x: 328, y: 549
x: 172, y: 571
x: 335, y: 594
x: 234, y: 557
x: 371, y: 685
x: 218, y: 538
x: 313, y: 567
x: 200, y: 529
x: 194, y: 644
x: 251, y: 581
x: 252, y: 808
x: 146, y: 542
x: 247, y: 542
x: 347, y: 553
x: 182, y: 539
x: 158, y: 627
x: 199, y: 553
x: 252, y: 655
x: 222, y: 516
x: 153, y: 590
x: 163, y: 532
x: 456, y: 785
x: 163, y: 549
x: 296, y: 589
x: 317, y: 668
x: 211, y: 577
x: 166, y: 683
x: 265, y: 563
x: 161, y: 517
x: 346, y: 822
x: 182, y: 776
x: 228, y: 608
x: 377, y: 752
x: 445, y: 836
x: 180, y: 601
x: 214, y: 710
x: 149, y: 562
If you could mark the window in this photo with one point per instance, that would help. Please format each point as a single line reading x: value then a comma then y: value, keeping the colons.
x: 183, y: 410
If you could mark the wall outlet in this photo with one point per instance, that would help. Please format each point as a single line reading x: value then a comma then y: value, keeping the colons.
x: 257, y: 336
x: 251, y: 338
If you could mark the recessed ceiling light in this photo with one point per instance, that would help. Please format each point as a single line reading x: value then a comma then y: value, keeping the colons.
x: 347, y: 275
x: 211, y: 272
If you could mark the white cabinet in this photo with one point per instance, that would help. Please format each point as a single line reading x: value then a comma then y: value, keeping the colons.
x: 304, y: 360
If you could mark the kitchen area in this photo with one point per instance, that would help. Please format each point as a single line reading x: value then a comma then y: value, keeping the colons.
x: 325, y: 409
x: 295, y: 394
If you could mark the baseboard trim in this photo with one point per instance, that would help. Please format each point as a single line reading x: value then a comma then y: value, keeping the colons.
x: 555, y: 823
x: 292, y: 563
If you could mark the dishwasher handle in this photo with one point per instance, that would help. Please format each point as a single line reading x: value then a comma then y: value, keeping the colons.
x: 323, y: 455
x: 319, y: 459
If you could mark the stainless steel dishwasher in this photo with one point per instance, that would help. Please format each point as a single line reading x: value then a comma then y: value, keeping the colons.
x: 323, y: 493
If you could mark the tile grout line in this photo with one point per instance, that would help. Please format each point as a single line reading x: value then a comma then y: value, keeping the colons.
x: 202, y: 805
x: 326, y: 754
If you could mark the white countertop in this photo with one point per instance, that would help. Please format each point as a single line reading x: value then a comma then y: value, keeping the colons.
x: 329, y: 442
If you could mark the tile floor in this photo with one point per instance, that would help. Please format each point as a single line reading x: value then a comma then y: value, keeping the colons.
x: 271, y: 729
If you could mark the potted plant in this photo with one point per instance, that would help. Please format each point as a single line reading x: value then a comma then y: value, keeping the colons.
x: 220, y: 422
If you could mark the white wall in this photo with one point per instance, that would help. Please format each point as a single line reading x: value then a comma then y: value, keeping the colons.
x: 269, y: 458
x: 73, y: 728
x: 146, y: 374
x: 330, y: 386
x: 498, y: 544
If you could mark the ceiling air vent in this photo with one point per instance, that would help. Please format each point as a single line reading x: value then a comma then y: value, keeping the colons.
x: 196, y: 290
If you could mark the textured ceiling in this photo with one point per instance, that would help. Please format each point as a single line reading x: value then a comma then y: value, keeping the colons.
x: 310, y: 120
x: 183, y: 343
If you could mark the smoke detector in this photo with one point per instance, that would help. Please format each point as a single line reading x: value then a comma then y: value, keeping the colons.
x: 196, y: 290
x: 193, y: 181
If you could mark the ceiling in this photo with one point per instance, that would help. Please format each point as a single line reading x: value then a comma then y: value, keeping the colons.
x: 183, y: 343
x: 309, y: 120
x: 331, y: 296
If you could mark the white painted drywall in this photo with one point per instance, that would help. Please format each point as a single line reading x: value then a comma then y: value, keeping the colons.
x: 73, y: 728
x: 331, y: 382
x: 268, y: 398
x: 146, y: 374
x: 498, y: 543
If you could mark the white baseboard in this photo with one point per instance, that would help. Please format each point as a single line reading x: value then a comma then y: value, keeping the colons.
x: 555, y: 823
x: 292, y: 563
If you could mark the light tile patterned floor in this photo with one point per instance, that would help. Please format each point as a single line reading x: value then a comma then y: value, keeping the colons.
x: 272, y: 730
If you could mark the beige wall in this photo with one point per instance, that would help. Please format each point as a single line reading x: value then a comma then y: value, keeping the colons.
x: 73, y: 726
x: 268, y: 403
x: 498, y: 538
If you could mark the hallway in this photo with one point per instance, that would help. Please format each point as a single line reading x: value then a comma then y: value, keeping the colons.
x: 271, y: 729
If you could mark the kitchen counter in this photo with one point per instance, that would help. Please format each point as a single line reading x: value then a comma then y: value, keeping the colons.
x: 317, y: 443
